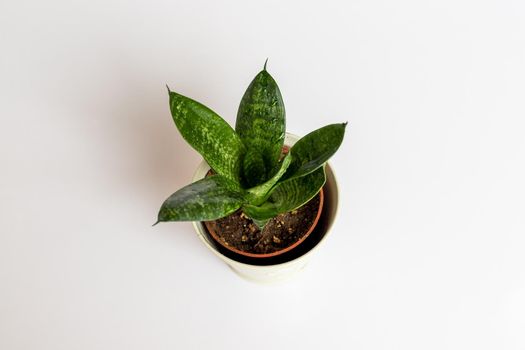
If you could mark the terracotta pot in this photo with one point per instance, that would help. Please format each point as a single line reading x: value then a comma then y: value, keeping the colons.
x: 215, y: 236
x: 279, y: 267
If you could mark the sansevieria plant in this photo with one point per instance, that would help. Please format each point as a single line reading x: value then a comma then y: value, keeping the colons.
x: 250, y: 171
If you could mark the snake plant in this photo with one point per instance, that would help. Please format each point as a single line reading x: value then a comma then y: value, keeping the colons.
x: 250, y: 171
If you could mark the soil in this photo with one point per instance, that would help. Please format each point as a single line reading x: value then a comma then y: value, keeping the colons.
x: 238, y: 231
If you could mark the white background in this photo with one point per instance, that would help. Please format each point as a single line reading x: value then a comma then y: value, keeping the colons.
x: 428, y: 249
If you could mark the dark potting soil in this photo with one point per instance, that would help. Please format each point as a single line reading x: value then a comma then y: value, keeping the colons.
x: 238, y: 231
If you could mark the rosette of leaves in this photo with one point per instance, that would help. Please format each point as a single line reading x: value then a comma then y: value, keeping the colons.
x: 250, y: 171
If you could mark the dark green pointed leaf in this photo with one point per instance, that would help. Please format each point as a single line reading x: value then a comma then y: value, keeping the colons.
x: 314, y: 149
x: 288, y: 195
x: 258, y: 194
x: 261, y: 120
x: 208, y: 134
x: 211, y: 198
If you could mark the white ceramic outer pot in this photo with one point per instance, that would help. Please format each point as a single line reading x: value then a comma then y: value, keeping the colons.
x: 281, y: 271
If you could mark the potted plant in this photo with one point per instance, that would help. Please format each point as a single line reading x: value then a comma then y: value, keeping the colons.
x: 260, y: 194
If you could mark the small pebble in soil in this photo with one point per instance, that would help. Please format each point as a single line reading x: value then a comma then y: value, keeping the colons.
x: 244, y: 238
x: 276, y: 240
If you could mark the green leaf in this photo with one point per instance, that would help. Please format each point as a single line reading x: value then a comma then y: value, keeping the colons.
x: 254, y: 169
x: 261, y: 121
x: 208, y: 134
x: 211, y: 198
x: 288, y: 195
x: 258, y: 194
x: 314, y: 149
x: 260, y: 223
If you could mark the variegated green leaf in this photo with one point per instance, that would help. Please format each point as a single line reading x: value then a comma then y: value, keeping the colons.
x: 208, y: 134
x: 211, y: 198
x: 254, y: 169
x: 261, y: 122
x: 288, y: 195
x: 258, y: 194
x: 314, y: 149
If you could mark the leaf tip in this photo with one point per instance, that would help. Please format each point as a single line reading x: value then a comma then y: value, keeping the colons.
x: 265, y: 63
x: 167, y: 87
x: 155, y: 223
